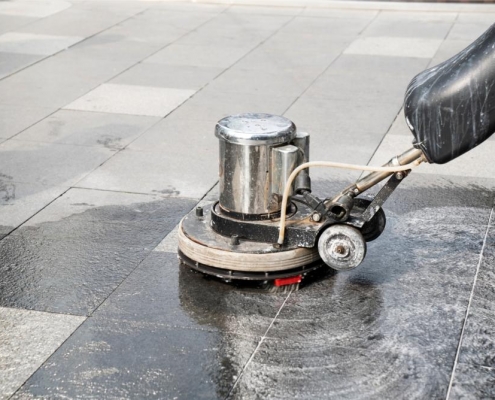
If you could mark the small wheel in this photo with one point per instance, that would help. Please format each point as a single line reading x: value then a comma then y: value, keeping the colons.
x: 342, y: 247
x: 372, y: 229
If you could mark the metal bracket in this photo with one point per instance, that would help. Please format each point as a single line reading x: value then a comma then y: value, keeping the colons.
x: 382, y: 196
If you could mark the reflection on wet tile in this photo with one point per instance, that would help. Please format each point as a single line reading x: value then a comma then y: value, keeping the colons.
x: 473, y: 382
x: 181, y: 298
x: 72, y: 264
x: 114, y: 359
x: 27, y: 339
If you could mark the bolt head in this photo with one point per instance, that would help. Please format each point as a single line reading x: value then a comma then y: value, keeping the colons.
x: 316, y: 217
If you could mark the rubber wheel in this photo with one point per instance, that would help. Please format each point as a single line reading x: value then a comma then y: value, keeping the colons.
x: 372, y: 229
x: 342, y: 247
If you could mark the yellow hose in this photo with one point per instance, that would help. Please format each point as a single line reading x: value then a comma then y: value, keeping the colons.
x: 285, y: 198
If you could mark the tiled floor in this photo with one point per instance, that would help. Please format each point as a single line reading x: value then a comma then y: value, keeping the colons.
x: 107, y: 111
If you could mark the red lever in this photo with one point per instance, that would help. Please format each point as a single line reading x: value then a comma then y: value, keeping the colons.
x: 288, y: 281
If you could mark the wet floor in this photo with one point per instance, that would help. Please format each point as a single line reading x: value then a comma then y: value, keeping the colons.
x: 155, y: 329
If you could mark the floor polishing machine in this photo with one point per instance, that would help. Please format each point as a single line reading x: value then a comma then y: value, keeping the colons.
x: 268, y: 225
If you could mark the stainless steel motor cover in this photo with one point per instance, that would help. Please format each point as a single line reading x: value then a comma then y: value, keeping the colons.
x: 246, y: 143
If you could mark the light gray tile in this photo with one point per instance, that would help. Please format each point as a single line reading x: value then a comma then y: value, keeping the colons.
x: 308, y: 40
x: 169, y: 244
x: 475, y: 18
x: 209, y: 105
x: 182, y: 174
x: 475, y: 163
x: 113, y: 131
x: 209, y: 55
x: 191, y: 7
x: 366, y: 15
x: 131, y: 99
x: 116, y: 7
x: 330, y: 27
x: 16, y: 118
x: 343, y: 117
x: 38, y: 9
x: 449, y: 48
x: 49, y: 164
x: 229, y: 37
x: 12, y: 22
x: 290, y: 83
x: 399, y: 127
x: 171, y: 76
x: 399, y: 27
x: 28, y: 43
x: 20, y: 201
x: 27, y: 339
x: 246, y: 22
x: 263, y: 10
x: 74, y: 22
x: 394, y: 46
x: 12, y: 62
x: 469, y: 31
x: 57, y: 80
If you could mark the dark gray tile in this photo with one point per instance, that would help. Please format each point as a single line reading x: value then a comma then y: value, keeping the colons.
x: 72, y: 264
x: 114, y: 359
x: 113, y: 131
x: 174, y: 296
x: 473, y: 382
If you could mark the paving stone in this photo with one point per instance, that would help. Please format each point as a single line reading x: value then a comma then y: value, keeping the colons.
x: 209, y: 105
x: 307, y: 40
x: 263, y: 10
x: 57, y: 80
x: 469, y: 31
x: 16, y: 118
x: 449, y: 48
x: 171, y: 76
x: 181, y: 174
x: 12, y: 62
x: 116, y: 7
x: 38, y: 9
x: 329, y: 27
x: 473, y: 382
x: 229, y: 37
x: 209, y: 55
x: 113, y: 131
x: 342, y: 117
x: 394, y: 46
x: 48, y: 163
x: 101, y: 358
x: 72, y: 263
x: 398, y: 27
x: 12, y: 22
x: 476, y: 163
x: 170, y: 243
x: 191, y: 7
x: 291, y: 83
x: 27, y: 43
x: 348, y: 14
x: 131, y: 99
x: 74, y: 22
x: 27, y: 339
x: 20, y: 201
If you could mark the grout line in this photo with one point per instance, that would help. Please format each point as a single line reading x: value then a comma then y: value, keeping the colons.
x: 459, y: 346
x: 258, y: 346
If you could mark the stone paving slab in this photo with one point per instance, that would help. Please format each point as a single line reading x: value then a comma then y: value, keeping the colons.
x: 27, y: 339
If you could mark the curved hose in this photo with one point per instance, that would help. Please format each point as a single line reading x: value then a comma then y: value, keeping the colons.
x: 292, y: 176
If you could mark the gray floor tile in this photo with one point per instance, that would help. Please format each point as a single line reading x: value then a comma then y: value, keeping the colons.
x: 330, y: 27
x: 398, y: 27
x: 209, y: 55
x: 16, y: 118
x: 49, y: 164
x: 191, y: 7
x: 209, y: 105
x: 20, y: 201
x: 290, y: 83
x: 473, y: 382
x: 449, y: 48
x: 395, y: 46
x: 229, y: 37
x: 12, y: 62
x: 72, y: 263
x: 366, y: 15
x: 249, y: 22
x: 113, y: 131
x: 170, y: 363
x: 171, y: 76
x: 342, y: 117
x: 12, y: 22
x: 116, y: 7
x: 263, y: 10
x: 58, y: 80
x: 132, y: 99
x: 27, y: 339
x: 28, y: 43
x: 38, y: 9
x: 74, y: 22
x: 307, y: 40
x: 468, y: 31
x: 173, y: 174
